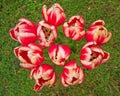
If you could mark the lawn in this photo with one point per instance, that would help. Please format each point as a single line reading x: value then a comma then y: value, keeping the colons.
x: 104, y: 80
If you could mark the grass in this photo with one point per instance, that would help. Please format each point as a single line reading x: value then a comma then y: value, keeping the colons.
x: 102, y: 81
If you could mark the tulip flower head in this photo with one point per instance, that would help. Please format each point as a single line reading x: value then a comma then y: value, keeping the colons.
x: 46, y: 33
x: 30, y: 56
x: 72, y: 74
x: 54, y: 15
x: 92, y: 55
x: 59, y: 53
x: 24, y: 32
x: 44, y: 75
x: 98, y: 33
x: 74, y: 28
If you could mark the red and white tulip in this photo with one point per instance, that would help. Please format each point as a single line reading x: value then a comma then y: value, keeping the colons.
x: 72, y: 74
x: 59, y: 53
x: 24, y: 32
x: 98, y: 33
x: 30, y: 56
x: 54, y: 15
x: 74, y: 28
x: 46, y: 33
x: 92, y: 55
x: 44, y: 75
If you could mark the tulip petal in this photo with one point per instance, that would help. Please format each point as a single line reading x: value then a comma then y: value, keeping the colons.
x: 108, y: 38
x: 44, y: 12
x: 26, y: 21
x: 27, y: 65
x: 98, y: 23
x: 53, y: 80
x: 106, y: 56
x: 37, y: 87
x: 13, y: 34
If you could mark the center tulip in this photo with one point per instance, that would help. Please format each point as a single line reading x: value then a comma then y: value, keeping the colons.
x: 59, y: 53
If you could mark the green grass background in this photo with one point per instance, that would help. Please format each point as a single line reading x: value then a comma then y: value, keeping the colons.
x: 102, y: 81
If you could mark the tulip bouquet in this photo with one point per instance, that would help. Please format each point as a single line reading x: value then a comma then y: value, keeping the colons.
x: 34, y: 38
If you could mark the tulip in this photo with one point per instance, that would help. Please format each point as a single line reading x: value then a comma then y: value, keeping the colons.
x: 54, y: 15
x: 98, y: 33
x: 59, y: 53
x: 46, y: 34
x: 74, y: 28
x: 24, y: 32
x: 44, y: 75
x: 92, y: 55
x: 72, y: 74
x: 30, y: 56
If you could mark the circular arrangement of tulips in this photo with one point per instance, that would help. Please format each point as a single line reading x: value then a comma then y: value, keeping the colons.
x: 30, y: 53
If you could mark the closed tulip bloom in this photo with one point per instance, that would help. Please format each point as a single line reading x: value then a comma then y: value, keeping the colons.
x: 24, y: 32
x: 72, y: 74
x: 30, y: 56
x: 44, y: 75
x: 59, y: 53
x: 74, y: 28
x: 54, y: 15
x: 92, y: 55
x: 98, y: 33
x: 46, y: 33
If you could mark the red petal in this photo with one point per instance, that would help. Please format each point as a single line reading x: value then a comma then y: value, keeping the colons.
x: 37, y: 87
x: 98, y: 23
x: 46, y: 67
x: 89, y: 67
x: 66, y: 49
x: 53, y: 80
x: 12, y: 34
x: 26, y: 38
x: 89, y: 36
x: 28, y: 66
x: 24, y: 54
x: 16, y: 51
x: 44, y: 13
x: 27, y: 21
x: 63, y: 78
x: 70, y: 64
x: 106, y: 56
x: 53, y: 48
x: 36, y: 47
x: 32, y: 72
x: 61, y: 20
x: 52, y: 18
